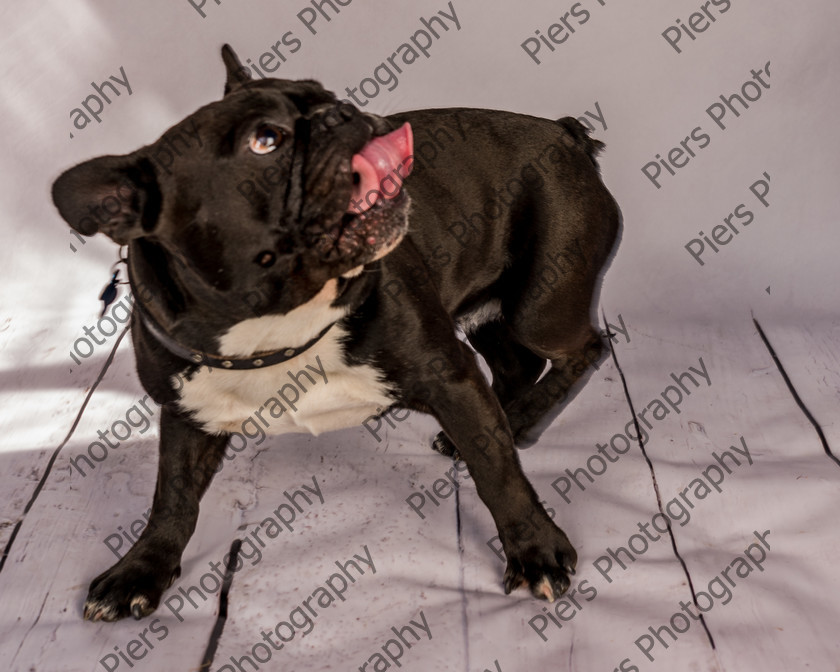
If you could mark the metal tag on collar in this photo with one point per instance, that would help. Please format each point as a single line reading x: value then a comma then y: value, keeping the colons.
x: 109, y: 294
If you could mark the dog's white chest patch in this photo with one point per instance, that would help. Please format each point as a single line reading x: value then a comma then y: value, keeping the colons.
x: 314, y: 392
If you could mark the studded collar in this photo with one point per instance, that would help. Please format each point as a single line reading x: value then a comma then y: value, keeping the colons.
x: 259, y: 360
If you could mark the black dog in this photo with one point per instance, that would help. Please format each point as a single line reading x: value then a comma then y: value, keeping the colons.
x: 277, y: 231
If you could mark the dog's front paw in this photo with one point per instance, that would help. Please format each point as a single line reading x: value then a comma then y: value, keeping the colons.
x: 128, y: 588
x: 544, y: 568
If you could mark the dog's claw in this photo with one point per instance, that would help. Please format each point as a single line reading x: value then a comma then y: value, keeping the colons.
x: 543, y: 568
x: 97, y: 612
x: 544, y: 589
x: 127, y: 589
x: 513, y: 581
x: 94, y: 613
x: 442, y: 444
x: 139, y: 606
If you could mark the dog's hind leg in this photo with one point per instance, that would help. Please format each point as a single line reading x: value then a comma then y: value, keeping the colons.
x: 552, y: 315
x: 541, y: 403
x: 515, y: 368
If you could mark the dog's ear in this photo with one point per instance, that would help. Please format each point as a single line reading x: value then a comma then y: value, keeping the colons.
x: 117, y: 195
x: 237, y: 74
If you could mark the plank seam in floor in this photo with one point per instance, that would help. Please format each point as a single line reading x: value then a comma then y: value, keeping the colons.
x: 656, y: 488
x: 465, y: 627
x: 31, y: 628
x: 795, y: 394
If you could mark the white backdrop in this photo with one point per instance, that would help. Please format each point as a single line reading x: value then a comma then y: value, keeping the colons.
x: 616, y: 65
x: 651, y: 98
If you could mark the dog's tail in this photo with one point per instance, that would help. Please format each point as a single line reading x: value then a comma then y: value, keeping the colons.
x: 580, y: 134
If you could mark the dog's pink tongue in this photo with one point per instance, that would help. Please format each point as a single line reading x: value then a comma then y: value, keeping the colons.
x: 379, y: 166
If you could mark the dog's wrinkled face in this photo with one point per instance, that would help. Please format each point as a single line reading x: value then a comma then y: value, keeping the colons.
x: 254, y: 202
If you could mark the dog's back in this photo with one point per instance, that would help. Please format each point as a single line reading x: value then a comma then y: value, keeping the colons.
x: 528, y: 189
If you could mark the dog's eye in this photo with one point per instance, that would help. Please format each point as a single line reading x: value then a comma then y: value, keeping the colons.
x: 265, y: 259
x: 265, y: 139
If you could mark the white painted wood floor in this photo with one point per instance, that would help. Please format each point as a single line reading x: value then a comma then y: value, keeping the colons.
x: 438, y: 570
x: 435, y: 573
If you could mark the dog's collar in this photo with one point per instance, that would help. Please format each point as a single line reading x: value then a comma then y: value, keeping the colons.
x: 259, y: 360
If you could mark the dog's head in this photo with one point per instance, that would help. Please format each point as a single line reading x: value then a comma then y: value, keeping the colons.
x: 251, y: 204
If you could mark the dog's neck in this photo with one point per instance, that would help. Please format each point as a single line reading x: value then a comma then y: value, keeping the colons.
x: 257, y: 360
x: 256, y: 342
